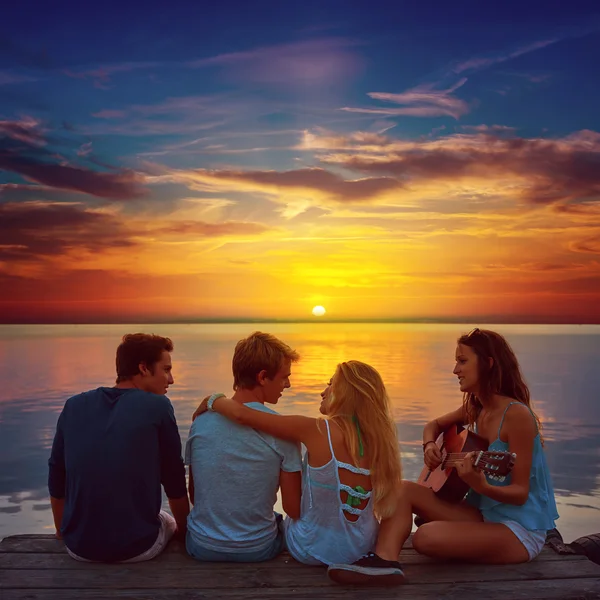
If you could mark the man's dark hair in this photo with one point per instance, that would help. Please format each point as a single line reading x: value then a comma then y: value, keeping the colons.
x: 137, y: 348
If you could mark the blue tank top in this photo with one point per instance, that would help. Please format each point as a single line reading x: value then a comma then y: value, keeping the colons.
x: 539, y: 511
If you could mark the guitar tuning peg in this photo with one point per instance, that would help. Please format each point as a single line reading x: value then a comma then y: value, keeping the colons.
x: 514, y: 455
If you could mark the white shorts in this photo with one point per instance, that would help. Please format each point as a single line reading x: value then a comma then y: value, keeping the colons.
x: 532, y: 540
x: 168, y: 527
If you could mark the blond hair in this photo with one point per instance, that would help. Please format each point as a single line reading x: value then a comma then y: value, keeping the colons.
x: 358, y: 392
x: 259, y: 352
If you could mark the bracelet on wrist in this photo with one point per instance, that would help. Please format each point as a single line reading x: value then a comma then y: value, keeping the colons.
x: 211, y: 401
x: 425, y: 444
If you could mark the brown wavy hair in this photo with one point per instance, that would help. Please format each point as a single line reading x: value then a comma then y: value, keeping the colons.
x: 502, y: 377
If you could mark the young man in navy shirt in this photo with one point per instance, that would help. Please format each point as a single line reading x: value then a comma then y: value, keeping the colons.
x: 113, y: 448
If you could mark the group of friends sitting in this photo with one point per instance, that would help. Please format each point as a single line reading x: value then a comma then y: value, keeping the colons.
x: 345, y: 502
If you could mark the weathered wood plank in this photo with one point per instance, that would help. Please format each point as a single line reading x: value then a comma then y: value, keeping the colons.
x: 30, y: 543
x: 218, y: 575
x: 573, y: 589
x: 176, y: 561
x: 167, y: 561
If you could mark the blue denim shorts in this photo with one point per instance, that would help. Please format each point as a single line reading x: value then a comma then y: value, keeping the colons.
x: 205, y: 554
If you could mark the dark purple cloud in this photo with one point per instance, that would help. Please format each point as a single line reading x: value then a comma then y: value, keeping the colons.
x: 203, y: 229
x: 553, y: 169
x: 32, y: 230
x: 24, y: 150
x: 311, y: 178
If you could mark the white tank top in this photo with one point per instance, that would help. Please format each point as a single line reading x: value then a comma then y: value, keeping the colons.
x: 322, y: 534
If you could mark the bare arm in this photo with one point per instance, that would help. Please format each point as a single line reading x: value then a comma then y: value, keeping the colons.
x: 432, y: 430
x: 291, y: 492
x: 521, y: 430
x: 294, y: 428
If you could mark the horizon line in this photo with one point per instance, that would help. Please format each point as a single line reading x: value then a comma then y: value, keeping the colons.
x: 489, y: 319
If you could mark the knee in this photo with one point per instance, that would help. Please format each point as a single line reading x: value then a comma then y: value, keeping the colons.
x: 407, y: 489
x: 424, y: 539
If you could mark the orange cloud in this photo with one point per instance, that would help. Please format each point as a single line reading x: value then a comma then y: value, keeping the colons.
x: 587, y: 245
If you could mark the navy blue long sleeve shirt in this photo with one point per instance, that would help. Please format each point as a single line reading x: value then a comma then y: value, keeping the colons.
x: 112, y: 450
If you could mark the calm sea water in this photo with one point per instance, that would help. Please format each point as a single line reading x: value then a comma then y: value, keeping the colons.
x: 41, y: 366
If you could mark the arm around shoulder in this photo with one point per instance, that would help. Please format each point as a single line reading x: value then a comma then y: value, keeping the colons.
x: 294, y: 428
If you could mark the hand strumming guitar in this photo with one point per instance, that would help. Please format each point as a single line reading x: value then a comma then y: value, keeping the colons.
x: 432, y: 455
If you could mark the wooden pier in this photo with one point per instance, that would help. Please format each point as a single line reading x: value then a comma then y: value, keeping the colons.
x: 37, y: 567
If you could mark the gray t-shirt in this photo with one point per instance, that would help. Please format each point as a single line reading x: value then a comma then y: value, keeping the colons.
x: 236, y: 477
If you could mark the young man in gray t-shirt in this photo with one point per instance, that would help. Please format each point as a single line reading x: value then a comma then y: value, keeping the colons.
x: 235, y: 471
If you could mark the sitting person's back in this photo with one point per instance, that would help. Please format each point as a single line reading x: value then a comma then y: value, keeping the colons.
x: 112, y: 450
x: 337, y: 509
x: 240, y: 470
x: 235, y: 471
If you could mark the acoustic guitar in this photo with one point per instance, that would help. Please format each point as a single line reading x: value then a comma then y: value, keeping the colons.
x: 454, y: 444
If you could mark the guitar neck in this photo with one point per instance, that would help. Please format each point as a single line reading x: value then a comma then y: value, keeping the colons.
x: 456, y: 455
x: 453, y: 458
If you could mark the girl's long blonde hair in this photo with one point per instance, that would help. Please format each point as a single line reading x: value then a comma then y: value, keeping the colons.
x: 358, y: 393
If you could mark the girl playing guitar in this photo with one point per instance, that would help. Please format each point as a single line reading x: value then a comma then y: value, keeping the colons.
x: 499, y: 522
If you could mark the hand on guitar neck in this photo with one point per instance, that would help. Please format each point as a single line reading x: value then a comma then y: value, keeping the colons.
x: 471, y: 475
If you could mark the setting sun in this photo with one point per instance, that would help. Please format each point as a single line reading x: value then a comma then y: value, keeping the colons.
x: 318, y: 311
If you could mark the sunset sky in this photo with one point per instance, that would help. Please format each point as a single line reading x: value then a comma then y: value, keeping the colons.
x: 402, y: 160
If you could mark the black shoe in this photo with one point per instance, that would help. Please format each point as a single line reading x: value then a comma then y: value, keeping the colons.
x: 368, y: 570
